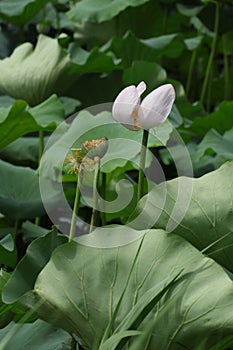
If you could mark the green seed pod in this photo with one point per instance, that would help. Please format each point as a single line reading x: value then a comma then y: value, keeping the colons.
x: 95, y: 148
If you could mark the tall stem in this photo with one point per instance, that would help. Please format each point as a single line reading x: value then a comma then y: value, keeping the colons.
x: 190, y: 72
x: 103, y: 195
x: 208, y: 93
x: 75, y: 210
x: 192, y: 65
x: 164, y: 20
x: 95, y: 193
x: 212, y: 52
x: 40, y: 153
x: 40, y: 146
x: 142, y: 164
x: 73, y: 343
x: 16, y: 228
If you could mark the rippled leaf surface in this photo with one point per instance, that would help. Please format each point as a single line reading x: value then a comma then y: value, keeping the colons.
x: 206, y: 222
x: 83, y: 281
x: 32, y: 74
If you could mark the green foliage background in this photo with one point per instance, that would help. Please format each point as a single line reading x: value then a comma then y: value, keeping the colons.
x: 160, y: 289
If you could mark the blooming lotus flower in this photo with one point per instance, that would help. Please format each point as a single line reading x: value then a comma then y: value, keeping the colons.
x: 152, y: 111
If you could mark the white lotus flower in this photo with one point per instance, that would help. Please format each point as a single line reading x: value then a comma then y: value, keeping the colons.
x: 153, y: 110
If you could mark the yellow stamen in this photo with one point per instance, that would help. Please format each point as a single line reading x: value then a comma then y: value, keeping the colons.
x: 134, y: 115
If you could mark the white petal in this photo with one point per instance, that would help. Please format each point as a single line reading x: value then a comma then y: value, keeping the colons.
x: 156, y: 106
x: 141, y: 87
x: 124, y: 105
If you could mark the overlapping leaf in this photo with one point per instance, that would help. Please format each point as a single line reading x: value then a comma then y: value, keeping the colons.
x: 23, y: 151
x: 206, y: 222
x: 20, y: 196
x: 20, y: 120
x: 34, y: 74
x: 81, y: 285
x: 20, y: 11
x: 37, y: 256
x: 93, y: 61
x: 38, y: 336
x: 220, y: 120
x: 129, y: 48
x: 215, y: 144
x: 100, y: 11
x: 8, y: 252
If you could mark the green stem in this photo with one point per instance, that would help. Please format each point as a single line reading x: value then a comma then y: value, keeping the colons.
x: 37, y: 221
x: 16, y: 228
x: 211, y: 57
x: 73, y: 343
x: 40, y: 153
x: 40, y: 146
x: 142, y: 164
x: 75, y: 210
x: 103, y: 195
x: 227, y: 85
x: 95, y: 193
x: 208, y: 94
x: 190, y: 72
x: 164, y: 21
x: 192, y: 65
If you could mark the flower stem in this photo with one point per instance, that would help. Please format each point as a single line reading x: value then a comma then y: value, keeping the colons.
x: 95, y: 193
x: 212, y: 52
x: 208, y: 93
x: 40, y: 146
x: 73, y: 343
x: 16, y: 228
x: 75, y: 210
x: 40, y: 153
x: 103, y: 195
x: 192, y: 65
x: 190, y: 72
x: 142, y: 164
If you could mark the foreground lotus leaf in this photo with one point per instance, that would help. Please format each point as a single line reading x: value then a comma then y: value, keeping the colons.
x: 81, y: 285
x: 206, y: 222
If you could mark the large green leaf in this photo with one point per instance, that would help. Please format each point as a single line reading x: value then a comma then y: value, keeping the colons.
x: 189, y: 10
x: 8, y: 252
x: 23, y: 151
x: 206, y: 222
x: 8, y: 312
x: 94, y: 61
x: 20, y: 119
x: 5, y: 310
x: 37, y: 256
x: 152, y: 73
x: 70, y: 104
x: 32, y: 231
x: 20, y: 11
x: 100, y: 10
x: 170, y: 45
x: 220, y: 120
x: 129, y: 48
x: 33, y: 74
x: 139, y: 312
x: 37, y: 336
x: 215, y: 144
x: 81, y: 285
x: 20, y: 196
